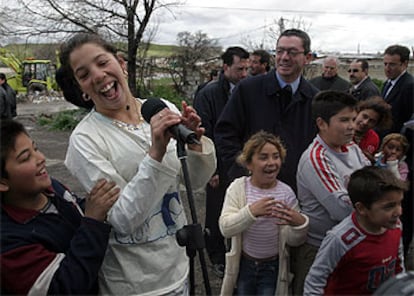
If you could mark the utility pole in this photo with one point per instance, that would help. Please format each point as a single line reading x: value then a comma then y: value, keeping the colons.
x: 281, y: 24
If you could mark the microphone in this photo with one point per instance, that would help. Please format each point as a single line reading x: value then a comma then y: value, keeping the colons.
x: 181, y: 133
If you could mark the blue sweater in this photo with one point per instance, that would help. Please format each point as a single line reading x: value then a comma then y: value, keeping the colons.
x: 56, y: 251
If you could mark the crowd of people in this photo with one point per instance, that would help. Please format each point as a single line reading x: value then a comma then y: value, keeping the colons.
x: 304, y: 178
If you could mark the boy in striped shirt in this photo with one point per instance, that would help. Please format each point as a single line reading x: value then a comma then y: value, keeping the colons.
x: 323, y: 173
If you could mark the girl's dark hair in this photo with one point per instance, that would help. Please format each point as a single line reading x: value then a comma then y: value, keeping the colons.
x: 71, y: 90
x: 10, y: 129
x: 383, y: 109
x: 78, y: 40
x: 65, y: 77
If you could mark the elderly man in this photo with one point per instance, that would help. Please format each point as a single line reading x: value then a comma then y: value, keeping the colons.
x: 330, y: 78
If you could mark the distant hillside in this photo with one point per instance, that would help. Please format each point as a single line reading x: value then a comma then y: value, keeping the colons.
x: 48, y: 51
x: 157, y: 50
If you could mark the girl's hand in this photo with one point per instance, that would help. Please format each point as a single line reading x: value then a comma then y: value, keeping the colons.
x: 191, y: 120
x: 101, y: 198
x: 262, y: 207
x: 160, y: 135
x: 287, y: 215
x: 214, y: 181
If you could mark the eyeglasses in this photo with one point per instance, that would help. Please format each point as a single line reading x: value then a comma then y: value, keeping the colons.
x: 353, y: 70
x: 291, y: 52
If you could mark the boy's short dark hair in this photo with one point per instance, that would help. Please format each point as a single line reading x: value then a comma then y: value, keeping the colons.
x: 10, y: 129
x: 330, y: 102
x: 369, y: 184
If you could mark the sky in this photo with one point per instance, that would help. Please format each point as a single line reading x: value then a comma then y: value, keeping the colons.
x: 347, y: 26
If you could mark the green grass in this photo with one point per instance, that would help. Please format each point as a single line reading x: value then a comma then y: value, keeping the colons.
x: 47, y: 51
x: 157, y: 50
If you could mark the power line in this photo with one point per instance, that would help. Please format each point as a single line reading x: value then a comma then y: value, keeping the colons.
x: 305, y: 11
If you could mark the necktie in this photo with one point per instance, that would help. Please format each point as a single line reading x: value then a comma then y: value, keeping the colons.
x: 386, y: 88
x: 286, y: 96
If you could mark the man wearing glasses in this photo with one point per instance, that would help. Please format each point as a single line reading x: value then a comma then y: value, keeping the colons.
x: 278, y: 102
x: 362, y: 86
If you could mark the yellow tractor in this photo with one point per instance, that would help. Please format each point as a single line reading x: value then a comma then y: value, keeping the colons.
x: 30, y: 75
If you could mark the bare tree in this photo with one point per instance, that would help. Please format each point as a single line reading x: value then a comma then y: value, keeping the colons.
x: 122, y: 21
x: 265, y: 36
x: 194, y: 50
x: 282, y: 24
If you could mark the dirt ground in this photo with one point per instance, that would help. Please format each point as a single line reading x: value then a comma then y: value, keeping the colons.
x: 54, y: 144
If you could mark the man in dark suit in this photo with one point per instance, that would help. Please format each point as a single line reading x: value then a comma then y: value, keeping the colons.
x: 209, y: 103
x: 10, y: 97
x: 278, y: 102
x: 398, y: 91
x: 362, y: 85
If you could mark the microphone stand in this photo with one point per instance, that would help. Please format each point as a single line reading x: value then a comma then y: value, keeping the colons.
x: 191, y: 236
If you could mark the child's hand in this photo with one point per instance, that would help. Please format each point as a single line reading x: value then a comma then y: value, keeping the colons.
x: 214, y: 181
x: 101, y: 198
x: 286, y: 215
x: 262, y: 207
x: 390, y: 157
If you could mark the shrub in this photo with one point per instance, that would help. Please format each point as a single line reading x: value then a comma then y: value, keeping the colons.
x: 379, y: 83
x: 162, y: 90
x: 167, y: 92
x: 63, y: 121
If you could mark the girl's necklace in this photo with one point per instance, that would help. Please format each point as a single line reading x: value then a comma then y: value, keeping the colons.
x: 130, y: 126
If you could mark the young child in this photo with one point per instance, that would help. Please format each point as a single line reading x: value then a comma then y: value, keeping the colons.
x: 365, y: 249
x: 393, y: 150
x: 48, y: 245
x: 323, y: 173
x: 260, y: 215
x: 372, y: 113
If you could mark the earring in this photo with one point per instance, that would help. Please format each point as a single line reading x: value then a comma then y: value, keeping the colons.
x: 85, y: 97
